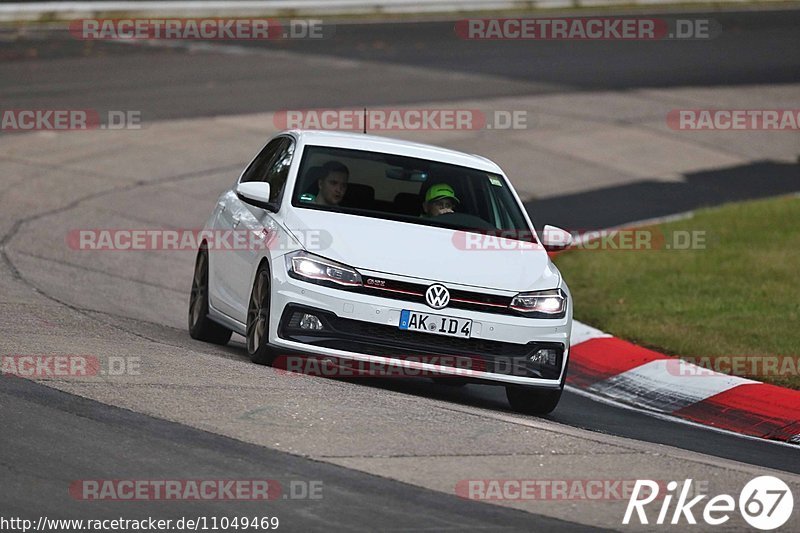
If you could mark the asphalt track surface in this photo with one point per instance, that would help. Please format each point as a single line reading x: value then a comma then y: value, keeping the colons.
x: 754, y: 47
x: 51, y: 70
x: 352, y: 501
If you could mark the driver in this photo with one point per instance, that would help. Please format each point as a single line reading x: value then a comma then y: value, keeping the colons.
x: 440, y: 199
x: 333, y: 184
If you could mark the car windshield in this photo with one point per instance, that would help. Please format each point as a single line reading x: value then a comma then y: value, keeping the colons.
x: 407, y: 189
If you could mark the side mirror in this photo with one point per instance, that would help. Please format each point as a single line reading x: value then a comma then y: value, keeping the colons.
x: 256, y: 193
x: 555, y: 239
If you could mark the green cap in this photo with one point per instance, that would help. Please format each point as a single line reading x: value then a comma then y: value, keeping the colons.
x: 440, y: 190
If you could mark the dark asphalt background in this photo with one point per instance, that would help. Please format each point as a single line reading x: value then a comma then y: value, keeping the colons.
x: 415, y: 62
x: 74, y: 438
x: 51, y: 68
x: 49, y: 438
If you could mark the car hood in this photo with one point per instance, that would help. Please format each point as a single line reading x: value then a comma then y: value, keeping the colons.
x: 429, y: 253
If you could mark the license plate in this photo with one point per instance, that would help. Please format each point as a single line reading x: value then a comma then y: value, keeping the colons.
x: 438, y: 324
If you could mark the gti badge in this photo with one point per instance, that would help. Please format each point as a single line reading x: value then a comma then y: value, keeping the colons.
x: 437, y: 296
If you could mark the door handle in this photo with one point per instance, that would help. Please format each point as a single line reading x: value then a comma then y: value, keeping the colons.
x: 221, y: 206
x: 235, y: 222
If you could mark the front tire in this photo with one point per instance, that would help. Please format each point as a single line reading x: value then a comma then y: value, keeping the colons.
x: 258, y: 318
x: 532, y: 401
x: 201, y: 327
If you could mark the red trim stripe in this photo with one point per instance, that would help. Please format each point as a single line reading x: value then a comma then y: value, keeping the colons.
x: 605, y: 357
x: 756, y: 409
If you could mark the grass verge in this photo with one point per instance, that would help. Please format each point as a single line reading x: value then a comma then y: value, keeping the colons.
x: 731, y: 304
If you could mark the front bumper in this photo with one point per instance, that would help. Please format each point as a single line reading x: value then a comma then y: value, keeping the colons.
x: 364, y: 328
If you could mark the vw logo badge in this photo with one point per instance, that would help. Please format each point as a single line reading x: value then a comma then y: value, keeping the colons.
x: 437, y: 296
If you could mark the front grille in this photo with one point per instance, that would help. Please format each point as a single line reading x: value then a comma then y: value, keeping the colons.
x: 415, y: 292
x: 389, y: 341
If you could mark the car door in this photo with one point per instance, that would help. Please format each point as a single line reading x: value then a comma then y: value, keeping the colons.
x: 250, y: 221
x: 220, y: 293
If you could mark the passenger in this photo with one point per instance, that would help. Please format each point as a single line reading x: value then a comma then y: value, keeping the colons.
x: 333, y: 184
x: 439, y: 200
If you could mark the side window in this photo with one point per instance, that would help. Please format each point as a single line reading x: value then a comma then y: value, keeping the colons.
x: 272, y: 165
x: 278, y: 171
x: 257, y: 169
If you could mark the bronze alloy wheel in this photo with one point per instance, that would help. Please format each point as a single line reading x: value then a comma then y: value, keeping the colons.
x: 200, y: 326
x: 258, y: 318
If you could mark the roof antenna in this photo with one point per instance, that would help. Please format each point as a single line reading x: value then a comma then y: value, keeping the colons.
x: 365, y: 121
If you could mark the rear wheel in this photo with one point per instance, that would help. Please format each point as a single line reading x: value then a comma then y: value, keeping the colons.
x: 201, y: 327
x: 258, y: 319
x: 532, y: 401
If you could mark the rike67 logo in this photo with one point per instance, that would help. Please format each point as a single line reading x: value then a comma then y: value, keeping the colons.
x: 765, y: 503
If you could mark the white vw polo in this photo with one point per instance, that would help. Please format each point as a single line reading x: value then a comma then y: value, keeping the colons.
x: 357, y: 248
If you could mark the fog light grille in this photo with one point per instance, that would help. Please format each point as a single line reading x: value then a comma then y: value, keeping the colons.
x: 308, y: 321
x: 544, y: 357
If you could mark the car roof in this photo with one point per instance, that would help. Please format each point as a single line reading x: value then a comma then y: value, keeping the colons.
x: 375, y: 143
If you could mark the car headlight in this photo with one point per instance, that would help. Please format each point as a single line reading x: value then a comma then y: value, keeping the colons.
x: 551, y: 303
x: 309, y: 267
